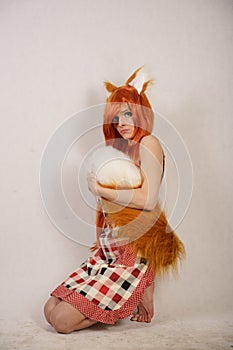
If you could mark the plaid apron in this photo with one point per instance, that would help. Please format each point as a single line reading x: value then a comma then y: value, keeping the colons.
x: 109, y: 278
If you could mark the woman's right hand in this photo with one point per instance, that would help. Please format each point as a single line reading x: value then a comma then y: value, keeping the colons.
x: 109, y: 223
x: 94, y: 247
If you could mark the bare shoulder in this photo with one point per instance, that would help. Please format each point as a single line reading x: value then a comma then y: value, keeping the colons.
x: 152, y: 143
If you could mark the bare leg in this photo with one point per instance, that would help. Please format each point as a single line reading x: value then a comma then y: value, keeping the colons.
x: 146, y: 306
x: 49, y: 306
x: 65, y: 318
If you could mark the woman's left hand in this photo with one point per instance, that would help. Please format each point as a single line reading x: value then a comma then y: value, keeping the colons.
x: 92, y: 184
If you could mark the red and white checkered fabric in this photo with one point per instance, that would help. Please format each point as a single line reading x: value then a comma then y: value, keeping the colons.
x: 111, y: 283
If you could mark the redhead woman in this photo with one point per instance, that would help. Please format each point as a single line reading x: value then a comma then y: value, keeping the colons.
x: 133, y: 243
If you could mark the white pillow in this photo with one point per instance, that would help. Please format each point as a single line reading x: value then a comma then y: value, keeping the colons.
x: 114, y: 169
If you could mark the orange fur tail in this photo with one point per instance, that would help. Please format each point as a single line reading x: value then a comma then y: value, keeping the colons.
x: 146, y: 231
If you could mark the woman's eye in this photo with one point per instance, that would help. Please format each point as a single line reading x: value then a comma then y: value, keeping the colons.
x: 115, y: 120
x: 128, y: 114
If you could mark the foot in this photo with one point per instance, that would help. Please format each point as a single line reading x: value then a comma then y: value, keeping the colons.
x: 145, y: 309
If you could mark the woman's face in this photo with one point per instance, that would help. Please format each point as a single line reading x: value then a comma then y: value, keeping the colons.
x: 124, y: 122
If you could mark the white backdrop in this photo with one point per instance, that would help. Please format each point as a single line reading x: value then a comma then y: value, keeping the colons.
x: 55, y: 56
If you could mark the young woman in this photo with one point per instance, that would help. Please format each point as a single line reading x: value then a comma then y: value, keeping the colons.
x: 119, y: 278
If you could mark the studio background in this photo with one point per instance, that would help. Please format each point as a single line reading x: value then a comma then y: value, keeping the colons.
x: 55, y: 56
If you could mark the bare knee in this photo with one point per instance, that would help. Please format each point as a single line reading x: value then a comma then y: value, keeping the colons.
x: 65, y: 318
x: 49, y: 307
x: 60, y: 324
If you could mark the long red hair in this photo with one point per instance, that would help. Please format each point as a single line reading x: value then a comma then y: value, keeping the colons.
x: 142, y: 112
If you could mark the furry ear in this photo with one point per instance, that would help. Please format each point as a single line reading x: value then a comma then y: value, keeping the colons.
x: 137, y: 80
x: 109, y: 86
x: 146, y: 84
x: 133, y: 76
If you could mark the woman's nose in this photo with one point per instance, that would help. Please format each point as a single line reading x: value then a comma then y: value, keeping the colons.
x: 121, y: 120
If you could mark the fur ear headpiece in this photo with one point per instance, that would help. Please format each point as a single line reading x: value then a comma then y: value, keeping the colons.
x: 110, y: 87
x: 137, y: 80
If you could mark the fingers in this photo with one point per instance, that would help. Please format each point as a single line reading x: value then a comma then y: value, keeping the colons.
x: 91, y: 181
x: 91, y: 175
x: 109, y: 222
x: 94, y: 247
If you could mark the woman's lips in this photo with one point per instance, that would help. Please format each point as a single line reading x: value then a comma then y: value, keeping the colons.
x: 124, y: 131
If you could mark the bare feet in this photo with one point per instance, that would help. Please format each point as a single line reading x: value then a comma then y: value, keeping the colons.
x: 145, y: 310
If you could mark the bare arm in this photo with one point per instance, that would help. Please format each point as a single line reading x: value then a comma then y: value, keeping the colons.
x: 145, y: 197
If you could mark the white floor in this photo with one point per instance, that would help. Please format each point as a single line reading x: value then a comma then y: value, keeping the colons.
x: 173, y: 334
